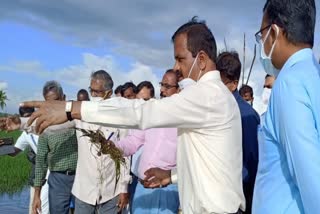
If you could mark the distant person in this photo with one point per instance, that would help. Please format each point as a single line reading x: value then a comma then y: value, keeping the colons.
x: 57, y: 152
x: 229, y: 65
x: 129, y: 90
x: 30, y: 140
x: 155, y: 148
x: 246, y: 93
x: 83, y: 95
x: 267, y: 87
x: 117, y: 92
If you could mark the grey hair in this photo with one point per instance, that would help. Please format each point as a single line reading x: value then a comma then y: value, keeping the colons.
x: 103, y: 75
x: 52, y: 86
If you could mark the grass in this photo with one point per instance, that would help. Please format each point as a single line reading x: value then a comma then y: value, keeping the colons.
x: 15, y: 171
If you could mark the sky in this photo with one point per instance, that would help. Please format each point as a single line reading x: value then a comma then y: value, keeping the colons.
x: 66, y: 40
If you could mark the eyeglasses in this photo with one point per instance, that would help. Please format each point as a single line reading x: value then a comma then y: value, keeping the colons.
x: 96, y: 91
x: 258, y: 35
x: 167, y: 86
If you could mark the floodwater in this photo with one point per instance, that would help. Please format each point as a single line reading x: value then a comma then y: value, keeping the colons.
x: 17, y: 203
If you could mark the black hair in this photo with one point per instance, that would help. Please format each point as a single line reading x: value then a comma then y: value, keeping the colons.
x: 84, y: 92
x: 25, y: 110
x: 128, y: 85
x: 176, y: 73
x: 246, y: 89
x: 296, y: 17
x: 229, y: 65
x: 118, y: 89
x: 148, y: 85
x: 199, y: 38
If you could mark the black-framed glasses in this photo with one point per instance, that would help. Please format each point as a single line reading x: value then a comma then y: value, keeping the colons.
x: 96, y: 91
x: 167, y: 86
x: 258, y: 34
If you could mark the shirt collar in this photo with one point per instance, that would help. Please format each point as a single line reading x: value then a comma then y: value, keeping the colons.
x: 298, y: 56
x: 210, y: 75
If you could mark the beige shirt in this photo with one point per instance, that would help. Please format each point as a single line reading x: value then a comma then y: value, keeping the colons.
x: 209, y: 154
x: 95, y: 177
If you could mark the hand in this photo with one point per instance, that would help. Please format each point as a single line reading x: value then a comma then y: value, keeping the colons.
x: 123, y: 201
x: 10, y: 123
x: 1, y: 142
x: 156, y: 177
x: 36, y: 205
x: 48, y: 113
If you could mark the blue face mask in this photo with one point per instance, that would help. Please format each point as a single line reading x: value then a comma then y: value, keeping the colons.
x: 266, y: 60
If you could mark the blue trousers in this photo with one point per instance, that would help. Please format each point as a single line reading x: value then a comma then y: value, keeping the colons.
x: 109, y: 207
x: 60, y: 186
x: 154, y: 201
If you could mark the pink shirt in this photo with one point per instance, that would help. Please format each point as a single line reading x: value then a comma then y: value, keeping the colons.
x: 159, y: 148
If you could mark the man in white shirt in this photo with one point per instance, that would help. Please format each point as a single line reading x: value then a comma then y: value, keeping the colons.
x: 31, y: 140
x: 209, y: 153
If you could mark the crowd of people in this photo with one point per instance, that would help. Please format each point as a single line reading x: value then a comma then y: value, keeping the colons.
x: 201, y: 148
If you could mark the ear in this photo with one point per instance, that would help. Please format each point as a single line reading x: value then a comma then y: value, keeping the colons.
x: 202, y: 60
x: 108, y: 94
x: 235, y: 85
x: 275, y: 32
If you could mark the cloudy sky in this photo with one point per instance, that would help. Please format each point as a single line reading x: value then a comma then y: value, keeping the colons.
x: 68, y: 39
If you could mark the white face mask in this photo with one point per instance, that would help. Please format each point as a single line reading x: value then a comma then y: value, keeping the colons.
x: 188, y: 81
x: 266, y: 95
x: 266, y: 60
x: 96, y: 99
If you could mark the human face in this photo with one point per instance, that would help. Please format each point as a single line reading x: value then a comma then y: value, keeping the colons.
x: 247, y: 97
x: 129, y: 94
x: 144, y: 93
x: 184, y: 59
x: 82, y: 97
x: 268, y: 83
x: 231, y: 85
x: 53, y: 95
x: 168, y: 85
x: 270, y: 35
x: 97, y: 89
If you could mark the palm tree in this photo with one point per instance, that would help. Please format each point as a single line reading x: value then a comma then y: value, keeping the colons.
x: 3, y: 99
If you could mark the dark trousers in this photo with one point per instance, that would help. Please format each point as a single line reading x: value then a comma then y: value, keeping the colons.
x: 60, y: 186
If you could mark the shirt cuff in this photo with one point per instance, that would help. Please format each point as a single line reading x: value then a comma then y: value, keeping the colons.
x: 174, y: 176
x: 89, y: 110
x: 123, y: 188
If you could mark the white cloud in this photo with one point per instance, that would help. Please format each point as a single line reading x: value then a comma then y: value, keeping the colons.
x: 77, y: 76
x: 3, y: 85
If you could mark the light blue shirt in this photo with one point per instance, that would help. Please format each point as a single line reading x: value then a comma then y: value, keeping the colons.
x: 288, y: 179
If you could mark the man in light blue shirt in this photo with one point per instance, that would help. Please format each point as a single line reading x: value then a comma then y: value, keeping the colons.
x: 288, y: 179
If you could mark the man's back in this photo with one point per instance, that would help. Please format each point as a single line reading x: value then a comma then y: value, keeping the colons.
x: 288, y: 173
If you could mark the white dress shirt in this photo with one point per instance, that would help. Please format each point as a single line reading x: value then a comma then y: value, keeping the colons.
x: 95, y: 178
x: 209, y: 154
x: 26, y: 140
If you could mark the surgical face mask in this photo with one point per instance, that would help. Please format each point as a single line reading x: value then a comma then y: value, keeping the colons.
x: 185, y: 83
x: 266, y: 60
x: 96, y: 99
x: 266, y: 95
x: 188, y: 81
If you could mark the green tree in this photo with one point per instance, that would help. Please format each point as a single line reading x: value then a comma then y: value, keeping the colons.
x: 3, y: 99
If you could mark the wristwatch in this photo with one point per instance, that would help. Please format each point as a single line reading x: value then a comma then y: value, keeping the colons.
x: 68, y: 110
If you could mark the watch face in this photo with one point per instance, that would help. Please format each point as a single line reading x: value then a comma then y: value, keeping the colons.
x: 68, y: 106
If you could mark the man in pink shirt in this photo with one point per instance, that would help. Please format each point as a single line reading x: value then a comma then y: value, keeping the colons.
x: 159, y: 150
